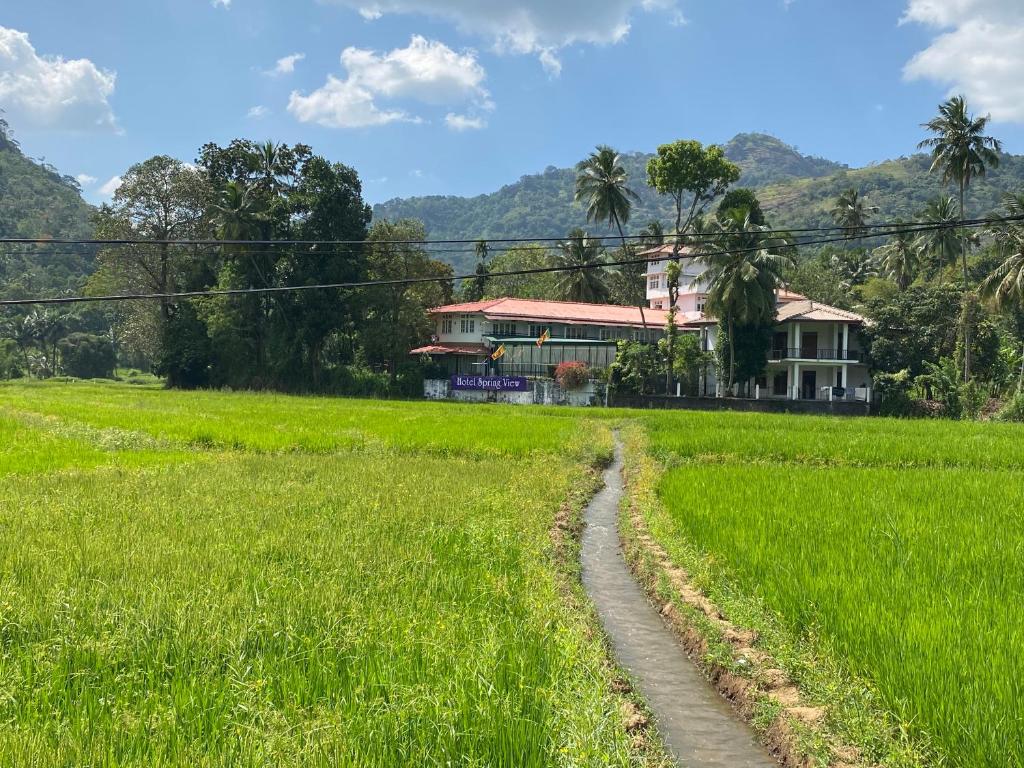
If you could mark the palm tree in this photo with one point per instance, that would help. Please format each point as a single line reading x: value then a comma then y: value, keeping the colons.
x: 583, y: 260
x: 900, y: 258
x: 961, y: 150
x: 601, y: 186
x: 744, y: 269
x: 1005, y: 285
x: 940, y: 246
x: 652, y: 235
x: 851, y: 213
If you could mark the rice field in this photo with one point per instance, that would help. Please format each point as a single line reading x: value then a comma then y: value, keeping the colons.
x: 895, y: 547
x: 245, y: 580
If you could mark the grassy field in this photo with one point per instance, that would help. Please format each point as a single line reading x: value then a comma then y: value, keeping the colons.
x: 216, y: 579
x: 220, y: 579
x: 896, y: 548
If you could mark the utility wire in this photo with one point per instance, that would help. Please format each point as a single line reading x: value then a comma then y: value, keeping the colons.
x: 439, y: 279
x: 527, y: 244
x: 488, y: 240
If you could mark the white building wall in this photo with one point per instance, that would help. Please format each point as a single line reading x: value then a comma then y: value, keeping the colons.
x: 457, y: 335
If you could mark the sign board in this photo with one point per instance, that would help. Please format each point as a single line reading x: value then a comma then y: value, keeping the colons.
x: 490, y: 383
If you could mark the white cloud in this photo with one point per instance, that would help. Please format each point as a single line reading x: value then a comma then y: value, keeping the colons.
x: 50, y: 91
x: 286, y: 64
x: 221, y: 3
x: 85, y: 180
x: 110, y: 186
x: 425, y: 71
x: 979, y: 52
x: 527, y: 26
x: 464, y: 122
x: 257, y: 112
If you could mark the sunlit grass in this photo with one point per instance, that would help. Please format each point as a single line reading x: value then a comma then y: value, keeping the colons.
x: 320, y: 582
x: 895, y: 547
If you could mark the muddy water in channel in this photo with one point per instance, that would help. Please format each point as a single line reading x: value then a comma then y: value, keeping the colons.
x: 696, y: 723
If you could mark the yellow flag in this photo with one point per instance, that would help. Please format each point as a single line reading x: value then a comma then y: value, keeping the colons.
x: 498, y: 353
x: 544, y: 337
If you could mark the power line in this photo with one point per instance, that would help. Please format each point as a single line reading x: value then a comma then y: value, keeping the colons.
x: 436, y: 279
x: 527, y: 244
x: 472, y: 241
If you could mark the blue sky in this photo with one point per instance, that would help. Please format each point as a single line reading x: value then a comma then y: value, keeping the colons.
x: 462, y: 96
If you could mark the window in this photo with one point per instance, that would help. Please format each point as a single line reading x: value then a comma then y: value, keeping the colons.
x: 446, y: 325
x: 576, y: 332
x: 536, y: 331
x: 654, y: 282
x: 505, y: 330
x: 702, y: 302
x: 468, y: 324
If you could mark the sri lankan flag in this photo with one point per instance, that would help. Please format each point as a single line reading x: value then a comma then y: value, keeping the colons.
x: 544, y: 337
x: 498, y: 353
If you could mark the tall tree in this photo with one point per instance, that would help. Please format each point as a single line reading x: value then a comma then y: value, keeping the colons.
x: 1005, y: 285
x: 852, y: 214
x: 585, y: 276
x: 961, y: 151
x: 744, y: 267
x: 900, y: 258
x: 692, y: 176
x: 396, y: 316
x: 602, y: 187
x: 476, y: 288
x: 940, y: 246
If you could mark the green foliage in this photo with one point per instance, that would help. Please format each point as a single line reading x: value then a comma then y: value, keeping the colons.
x: 751, y: 343
x: 894, y: 393
x: 742, y: 199
x: 186, y: 350
x: 585, y: 278
x: 10, y: 365
x: 912, y: 327
x: 690, y: 363
x: 985, y: 340
x: 1013, y: 410
x: 637, y: 368
x: 691, y: 175
x: 530, y: 286
x: 87, y: 356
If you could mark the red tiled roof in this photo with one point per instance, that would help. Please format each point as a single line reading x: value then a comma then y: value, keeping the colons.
x: 451, y: 349
x: 666, y: 250
x: 569, y: 312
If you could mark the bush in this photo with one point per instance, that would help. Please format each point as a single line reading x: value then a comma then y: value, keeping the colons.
x: 637, y: 369
x: 87, y: 356
x: 1013, y: 410
x: 185, y: 354
x: 572, y: 375
x: 9, y: 364
x: 894, y: 389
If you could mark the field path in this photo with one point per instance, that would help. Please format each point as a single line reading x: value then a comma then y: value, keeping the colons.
x: 696, y: 723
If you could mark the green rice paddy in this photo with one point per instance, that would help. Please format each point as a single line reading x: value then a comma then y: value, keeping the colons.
x: 895, y: 547
x: 218, y: 579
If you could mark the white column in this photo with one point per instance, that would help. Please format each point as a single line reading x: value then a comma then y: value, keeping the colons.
x: 846, y: 346
x: 846, y: 381
x: 797, y: 342
x: 796, y: 380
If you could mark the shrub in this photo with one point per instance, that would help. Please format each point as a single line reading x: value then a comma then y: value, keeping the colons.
x: 1013, y: 410
x: 87, y: 356
x: 894, y: 389
x: 572, y: 375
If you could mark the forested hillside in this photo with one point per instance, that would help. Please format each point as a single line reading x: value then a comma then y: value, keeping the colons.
x: 36, y: 201
x: 795, y: 190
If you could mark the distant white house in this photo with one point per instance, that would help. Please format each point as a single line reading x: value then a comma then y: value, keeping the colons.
x: 816, y: 352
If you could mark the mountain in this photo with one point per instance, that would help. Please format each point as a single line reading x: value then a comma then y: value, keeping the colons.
x: 36, y: 201
x: 795, y: 190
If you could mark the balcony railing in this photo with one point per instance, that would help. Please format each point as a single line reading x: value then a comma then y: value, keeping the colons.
x: 797, y: 353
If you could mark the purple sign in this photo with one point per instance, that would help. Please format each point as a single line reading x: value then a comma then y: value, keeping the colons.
x: 490, y: 383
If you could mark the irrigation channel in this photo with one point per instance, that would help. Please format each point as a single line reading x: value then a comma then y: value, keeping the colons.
x: 697, y: 725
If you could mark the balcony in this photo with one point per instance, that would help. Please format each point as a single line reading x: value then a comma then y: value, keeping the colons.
x: 799, y: 354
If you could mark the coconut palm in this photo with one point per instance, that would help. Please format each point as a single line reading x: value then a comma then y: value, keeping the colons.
x: 852, y: 213
x: 1005, y: 285
x: 900, y: 258
x: 961, y: 150
x: 744, y: 269
x: 601, y: 186
x: 583, y: 260
x: 940, y: 246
